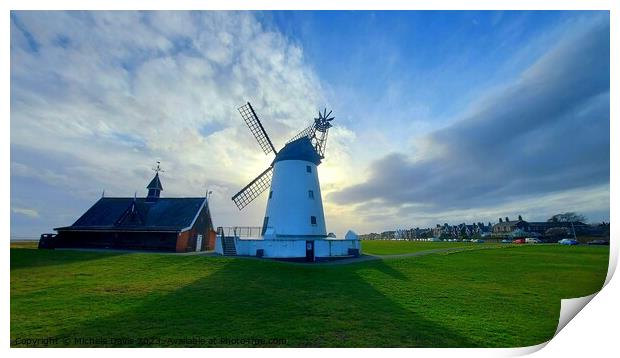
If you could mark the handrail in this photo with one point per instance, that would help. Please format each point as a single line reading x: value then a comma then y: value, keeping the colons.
x: 240, y: 231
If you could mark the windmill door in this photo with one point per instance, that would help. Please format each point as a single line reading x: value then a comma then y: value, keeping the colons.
x: 309, y: 250
x: 199, y: 242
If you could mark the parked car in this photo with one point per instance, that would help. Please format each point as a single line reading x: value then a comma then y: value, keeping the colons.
x: 478, y: 241
x: 568, y: 242
x: 532, y: 240
x: 506, y: 241
x: 598, y: 242
x: 435, y: 239
x: 518, y: 241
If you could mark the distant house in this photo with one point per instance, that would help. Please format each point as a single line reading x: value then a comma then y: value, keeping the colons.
x: 507, y: 226
x: 543, y: 226
x: 150, y: 223
x: 460, y: 230
x: 540, y: 227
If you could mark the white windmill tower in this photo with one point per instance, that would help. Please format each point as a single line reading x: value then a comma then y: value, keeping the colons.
x: 294, y: 208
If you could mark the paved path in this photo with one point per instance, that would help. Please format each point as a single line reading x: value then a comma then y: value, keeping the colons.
x: 369, y: 257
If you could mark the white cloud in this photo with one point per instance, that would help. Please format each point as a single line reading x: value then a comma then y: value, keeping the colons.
x: 31, y: 213
x: 543, y: 134
x: 115, y: 91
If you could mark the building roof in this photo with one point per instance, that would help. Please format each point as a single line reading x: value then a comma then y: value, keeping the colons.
x: 299, y: 149
x: 155, y: 183
x: 136, y: 214
x: 557, y: 223
x: 509, y: 223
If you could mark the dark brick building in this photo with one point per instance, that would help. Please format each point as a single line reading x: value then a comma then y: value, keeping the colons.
x: 150, y: 223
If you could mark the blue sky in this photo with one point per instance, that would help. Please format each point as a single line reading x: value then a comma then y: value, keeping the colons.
x: 428, y: 57
x: 441, y: 116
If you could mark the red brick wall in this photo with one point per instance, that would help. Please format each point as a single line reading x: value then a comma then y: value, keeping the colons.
x: 186, y: 240
x: 183, y: 241
x: 211, y: 240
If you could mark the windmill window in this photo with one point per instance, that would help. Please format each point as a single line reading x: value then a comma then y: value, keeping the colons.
x: 310, y: 194
x: 308, y: 169
x: 313, y: 220
x: 270, y: 194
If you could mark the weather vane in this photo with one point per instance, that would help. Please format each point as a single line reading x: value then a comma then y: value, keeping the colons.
x: 322, y: 122
x: 158, y: 169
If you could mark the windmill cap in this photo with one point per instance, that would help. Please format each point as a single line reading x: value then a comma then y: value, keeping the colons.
x: 299, y: 149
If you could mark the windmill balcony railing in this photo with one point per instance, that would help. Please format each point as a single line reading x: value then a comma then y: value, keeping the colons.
x: 240, y: 231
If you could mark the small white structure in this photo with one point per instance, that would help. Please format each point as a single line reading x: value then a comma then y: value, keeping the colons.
x: 294, y: 223
x: 311, y: 249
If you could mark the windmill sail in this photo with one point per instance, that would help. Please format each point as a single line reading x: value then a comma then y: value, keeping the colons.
x: 254, y: 189
x: 256, y: 127
x: 320, y: 142
x: 308, y: 132
x: 317, y: 132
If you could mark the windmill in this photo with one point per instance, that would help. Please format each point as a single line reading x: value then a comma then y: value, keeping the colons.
x: 294, y: 207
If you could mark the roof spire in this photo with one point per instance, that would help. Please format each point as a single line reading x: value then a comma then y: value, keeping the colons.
x: 154, y: 186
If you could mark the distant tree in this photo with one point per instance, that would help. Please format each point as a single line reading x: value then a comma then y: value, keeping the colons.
x: 558, y: 232
x: 567, y: 217
x: 606, y: 230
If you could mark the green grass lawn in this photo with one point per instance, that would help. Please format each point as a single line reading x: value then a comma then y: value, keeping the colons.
x: 390, y: 247
x: 504, y: 297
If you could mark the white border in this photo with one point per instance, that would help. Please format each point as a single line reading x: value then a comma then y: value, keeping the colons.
x: 312, y: 5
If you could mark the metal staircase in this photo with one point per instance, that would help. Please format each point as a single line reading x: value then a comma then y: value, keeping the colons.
x: 228, y: 245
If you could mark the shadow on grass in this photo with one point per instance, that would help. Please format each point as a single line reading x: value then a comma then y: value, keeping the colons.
x: 30, y: 258
x: 388, y: 270
x: 300, y: 306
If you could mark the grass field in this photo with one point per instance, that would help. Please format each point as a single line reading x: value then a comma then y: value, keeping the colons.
x: 24, y: 244
x: 502, y: 297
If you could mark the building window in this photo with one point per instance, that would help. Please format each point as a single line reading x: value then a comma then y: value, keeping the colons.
x: 313, y: 220
x: 310, y: 194
x: 270, y: 194
x: 308, y: 169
